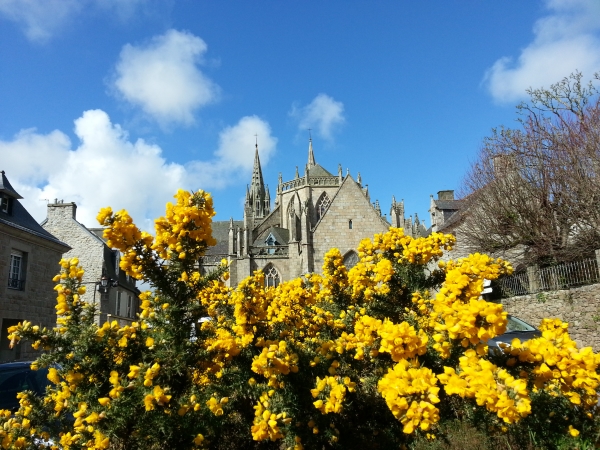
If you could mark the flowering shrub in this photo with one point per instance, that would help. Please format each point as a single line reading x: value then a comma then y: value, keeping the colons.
x: 367, y: 357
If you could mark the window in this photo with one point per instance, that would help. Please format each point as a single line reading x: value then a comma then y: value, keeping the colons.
x: 271, y: 242
x: 350, y: 224
x: 117, y: 261
x: 129, y: 306
x: 118, y: 304
x: 5, y: 204
x: 16, y: 275
x: 272, y: 278
x: 322, y: 205
x: 350, y: 259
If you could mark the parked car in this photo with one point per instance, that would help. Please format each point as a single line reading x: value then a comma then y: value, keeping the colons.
x: 16, y: 377
x: 515, y: 328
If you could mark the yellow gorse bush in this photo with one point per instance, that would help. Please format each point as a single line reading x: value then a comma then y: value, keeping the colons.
x: 367, y: 357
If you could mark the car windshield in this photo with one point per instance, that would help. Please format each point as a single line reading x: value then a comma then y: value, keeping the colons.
x: 17, y: 379
x: 514, y: 324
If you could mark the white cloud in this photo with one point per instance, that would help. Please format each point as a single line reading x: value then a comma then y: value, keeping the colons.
x: 41, y: 19
x: 235, y: 155
x: 107, y: 168
x: 163, y: 78
x: 323, y: 114
x: 566, y: 40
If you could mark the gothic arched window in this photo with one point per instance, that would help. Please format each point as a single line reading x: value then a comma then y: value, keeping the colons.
x: 350, y: 259
x: 272, y: 278
x: 322, y: 205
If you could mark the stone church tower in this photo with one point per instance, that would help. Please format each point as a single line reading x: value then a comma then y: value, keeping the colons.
x: 312, y: 213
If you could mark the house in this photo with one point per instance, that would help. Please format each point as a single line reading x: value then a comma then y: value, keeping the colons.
x: 312, y: 213
x: 109, y: 288
x: 29, y: 257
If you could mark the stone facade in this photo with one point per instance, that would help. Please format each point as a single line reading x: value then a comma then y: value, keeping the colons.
x: 313, y: 213
x: 119, y: 300
x: 580, y: 307
x: 29, y: 258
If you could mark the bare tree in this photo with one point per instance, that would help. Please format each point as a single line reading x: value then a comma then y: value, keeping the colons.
x: 537, y: 188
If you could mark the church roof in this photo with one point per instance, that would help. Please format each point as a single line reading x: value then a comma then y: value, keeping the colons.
x: 314, y: 169
x: 220, y: 231
x: 318, y: 171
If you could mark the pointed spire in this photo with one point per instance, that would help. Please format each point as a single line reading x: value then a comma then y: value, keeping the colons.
x: 297, y: 174
x: 256, y: 196
x: 358, y: 179
x: 231, y: 223
x: 311, y: 155
x: 257, y: 178
x: 377, y: 207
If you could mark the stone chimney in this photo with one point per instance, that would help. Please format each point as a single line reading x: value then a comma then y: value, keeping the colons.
x: 445, y: 195
x: 60, y: 211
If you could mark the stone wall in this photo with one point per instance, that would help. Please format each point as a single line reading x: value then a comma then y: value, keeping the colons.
x: 580, y: 307
x: 349, y: 204
x: 36, y: 301
x: 85, y: 246
x: 96, y: 259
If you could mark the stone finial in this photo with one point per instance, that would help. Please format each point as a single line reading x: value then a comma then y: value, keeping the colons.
x: 377, y: 207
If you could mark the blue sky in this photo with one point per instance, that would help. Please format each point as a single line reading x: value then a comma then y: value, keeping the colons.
x: 121, y: 102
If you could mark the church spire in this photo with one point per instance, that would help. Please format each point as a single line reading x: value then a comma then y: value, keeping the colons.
x: 311, y: 155
x: 257, y: 178
x: 258, y: 203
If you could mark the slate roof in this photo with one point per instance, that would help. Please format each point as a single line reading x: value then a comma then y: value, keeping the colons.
x: 318, y: 171
x: 448, y: 204
x: 98, y: 232
x: 220, y: 231
x: 22, y: 220
x: 281, y: 235
x: 6, y: 188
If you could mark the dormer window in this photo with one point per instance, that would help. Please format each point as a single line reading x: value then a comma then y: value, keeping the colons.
x: 117, y: 260
x: 5, y: 204
x: 271, y: 242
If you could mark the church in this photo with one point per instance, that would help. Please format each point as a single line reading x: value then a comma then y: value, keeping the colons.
x: 310, y: 214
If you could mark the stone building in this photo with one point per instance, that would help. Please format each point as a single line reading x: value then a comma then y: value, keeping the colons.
x: 29, y: 258
x: 311, y: 214
x: 109, y: 288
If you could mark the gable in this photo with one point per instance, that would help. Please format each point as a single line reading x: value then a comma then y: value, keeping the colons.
x: 334, y: 231
x: 350, y: 203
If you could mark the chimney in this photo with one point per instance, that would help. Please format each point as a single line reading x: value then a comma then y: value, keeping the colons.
x: 61, y: 211
x: 445, y: 195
